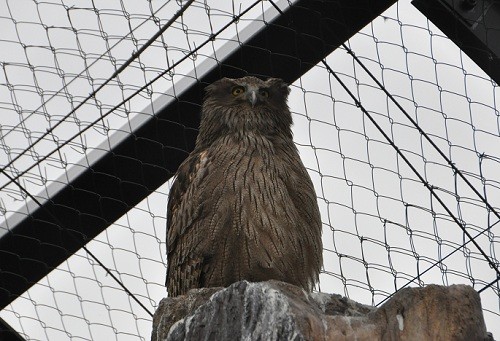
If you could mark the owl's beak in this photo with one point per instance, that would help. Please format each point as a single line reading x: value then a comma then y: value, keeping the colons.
x: 252, y: 97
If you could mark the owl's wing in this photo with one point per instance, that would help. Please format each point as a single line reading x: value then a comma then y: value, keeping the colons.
x: 301, y: 189
x: 183, y: 210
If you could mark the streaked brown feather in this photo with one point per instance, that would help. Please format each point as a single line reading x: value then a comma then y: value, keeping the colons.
x: 242, y: 205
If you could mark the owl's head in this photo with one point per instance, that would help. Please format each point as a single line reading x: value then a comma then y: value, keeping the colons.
x: 248, y: 92
x: 246, y: 104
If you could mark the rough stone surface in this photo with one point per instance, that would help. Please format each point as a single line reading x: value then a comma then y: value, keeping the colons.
x: 279, y: 311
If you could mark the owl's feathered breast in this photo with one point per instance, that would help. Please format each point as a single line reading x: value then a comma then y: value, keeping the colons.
x: 225, y: 187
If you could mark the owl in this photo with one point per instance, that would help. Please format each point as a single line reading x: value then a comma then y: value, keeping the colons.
x: 242, y: 205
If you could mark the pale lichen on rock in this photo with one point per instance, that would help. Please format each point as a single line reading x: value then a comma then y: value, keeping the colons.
x: 279, y: 311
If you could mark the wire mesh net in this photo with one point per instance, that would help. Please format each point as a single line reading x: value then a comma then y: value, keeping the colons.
x: 395, y: 212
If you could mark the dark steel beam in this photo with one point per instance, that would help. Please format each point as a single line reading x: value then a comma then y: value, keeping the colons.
x: 287, y: 48
x: 474, y: 25
x: 7, y: 333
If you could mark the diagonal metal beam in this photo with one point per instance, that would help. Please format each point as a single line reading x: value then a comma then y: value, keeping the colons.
x: 7, y: 333
x: 141, y: 161
x: 474, y: 25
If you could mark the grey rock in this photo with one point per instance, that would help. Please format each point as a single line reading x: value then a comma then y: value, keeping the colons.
x: 279, y: 311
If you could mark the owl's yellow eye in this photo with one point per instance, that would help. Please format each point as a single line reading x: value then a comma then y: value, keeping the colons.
x: 264, y: 93
x: 237, y: 90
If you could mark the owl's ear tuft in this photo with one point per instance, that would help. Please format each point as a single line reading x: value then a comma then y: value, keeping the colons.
x: 279, y: 84
x: 212, y: 86
x: 209, y: 88
x: 216, y: 85
x: 285, y: 88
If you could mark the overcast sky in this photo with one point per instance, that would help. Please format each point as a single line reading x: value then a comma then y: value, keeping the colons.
x: 381, y: 225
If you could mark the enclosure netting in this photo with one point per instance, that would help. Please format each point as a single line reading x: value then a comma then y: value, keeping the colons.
x: 395, y: 212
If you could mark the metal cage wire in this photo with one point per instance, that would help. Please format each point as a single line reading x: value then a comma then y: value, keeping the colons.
x: 398, y: 129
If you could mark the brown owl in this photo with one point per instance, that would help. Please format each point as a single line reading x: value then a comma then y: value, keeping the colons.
x: 242, y: 205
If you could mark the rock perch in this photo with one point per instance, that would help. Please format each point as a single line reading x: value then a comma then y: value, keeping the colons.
x: 279, y: 311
